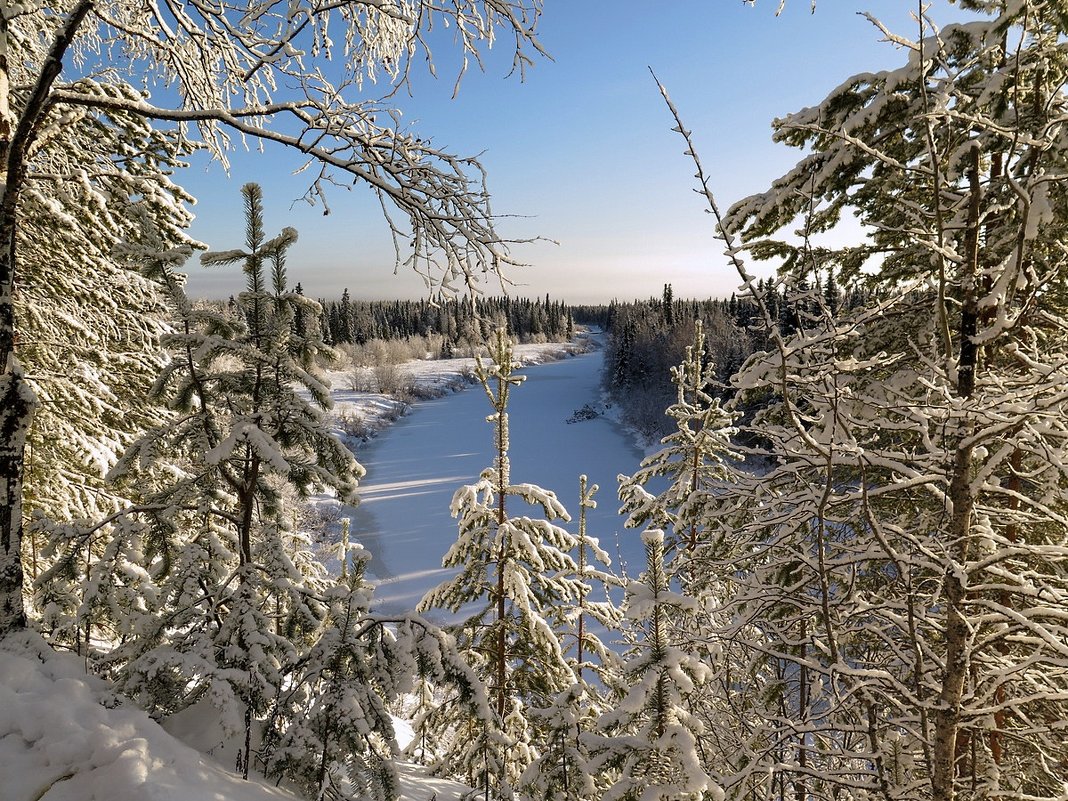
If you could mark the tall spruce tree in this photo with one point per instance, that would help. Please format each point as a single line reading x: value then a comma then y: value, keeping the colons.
x: 90, y: 333
x: 233, y: 587
x: 518, y: 574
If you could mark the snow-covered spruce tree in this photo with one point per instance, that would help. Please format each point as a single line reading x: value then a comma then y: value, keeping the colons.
x: 905, y: 553
x: 330, y: 732
x: 647, y: 747
x: 91, y: 323
x: 696, y: 460
x: 230, y: 603
x: 258, y: 70
x: 518, y: 574
x: 590, y: 652
x: 561, y: 770
x: 692, y: 459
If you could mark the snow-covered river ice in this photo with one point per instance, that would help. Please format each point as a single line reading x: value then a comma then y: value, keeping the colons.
x: 415, y: 466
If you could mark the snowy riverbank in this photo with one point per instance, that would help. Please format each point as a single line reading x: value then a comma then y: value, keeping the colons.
x: 362, y: 414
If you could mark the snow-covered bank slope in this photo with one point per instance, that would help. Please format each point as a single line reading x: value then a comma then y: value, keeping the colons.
x: 64, y: 736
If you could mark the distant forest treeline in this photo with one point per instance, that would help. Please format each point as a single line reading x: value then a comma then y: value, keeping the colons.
x: 645, y: 338
x: 458, y: 322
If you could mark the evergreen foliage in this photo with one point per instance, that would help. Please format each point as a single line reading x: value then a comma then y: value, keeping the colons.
x: 692, y: 458
x: 235, y: 587
x: 91, y: 321
x: 561, y: 770
x: 518, y: 574
x: 331, y: 731
x: 89, y: 339
x: 208, y: 592
x: 643, y: 349
x: 648, y: 745
x: 883, y: 603
x: 458, y: 321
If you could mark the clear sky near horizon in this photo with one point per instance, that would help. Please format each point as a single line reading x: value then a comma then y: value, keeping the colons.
x: 581, y: 151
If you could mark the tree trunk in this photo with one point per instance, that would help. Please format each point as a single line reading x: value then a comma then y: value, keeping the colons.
x: 16, y: 399
x: 962, y: 502
x: 17, y: 404
x: 502, y: 483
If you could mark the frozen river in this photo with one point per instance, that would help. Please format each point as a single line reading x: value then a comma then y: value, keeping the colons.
x: 415, y: 466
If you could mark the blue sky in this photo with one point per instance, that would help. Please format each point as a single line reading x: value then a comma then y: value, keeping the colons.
x: 581, y: 151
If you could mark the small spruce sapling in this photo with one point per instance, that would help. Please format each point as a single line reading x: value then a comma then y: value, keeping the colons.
x: 648, y: 745
x: 693, y: 458
x: 561, y: 770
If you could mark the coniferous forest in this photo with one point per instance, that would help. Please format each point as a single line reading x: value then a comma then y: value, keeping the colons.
x: 458, y: 324
x: 853, y: 506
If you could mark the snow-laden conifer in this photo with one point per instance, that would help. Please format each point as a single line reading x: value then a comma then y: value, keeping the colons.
x: 697, y: 460
x: 898, y: 570
x: 693, y: 458
x: 515, y: 574
x: 648, y: 745
x: 89, y: 329
x: 233, y: 593
x: 561, y: 770
x: 330, y: 732
x: 591, y: 654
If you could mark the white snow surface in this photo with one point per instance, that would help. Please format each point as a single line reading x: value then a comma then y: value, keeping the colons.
x: 65, y: 736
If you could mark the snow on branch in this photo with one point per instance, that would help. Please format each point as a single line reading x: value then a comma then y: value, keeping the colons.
x: 318, y: 78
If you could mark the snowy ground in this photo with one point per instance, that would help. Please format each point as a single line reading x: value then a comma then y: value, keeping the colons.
x: 374, y: 411
x: 65, y: 737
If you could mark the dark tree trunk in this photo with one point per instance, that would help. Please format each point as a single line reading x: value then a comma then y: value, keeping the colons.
x: 17, y: 403
x: 947, y: 718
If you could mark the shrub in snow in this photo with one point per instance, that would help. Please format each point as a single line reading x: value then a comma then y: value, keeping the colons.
x: 330, y: 731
